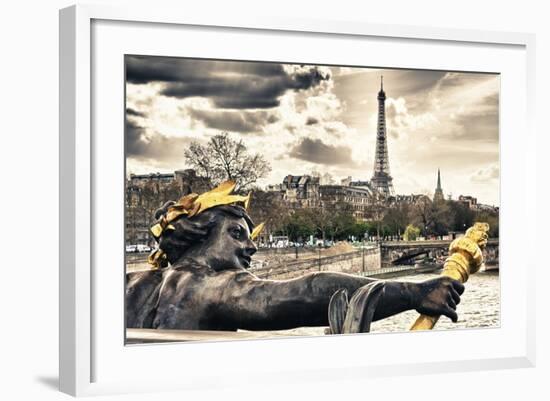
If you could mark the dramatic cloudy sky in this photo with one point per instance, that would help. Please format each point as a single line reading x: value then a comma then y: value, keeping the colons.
x: 305, y: 118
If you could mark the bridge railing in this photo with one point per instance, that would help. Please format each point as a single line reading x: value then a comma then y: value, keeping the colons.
x: 318, y: 263
x: 490, y: 242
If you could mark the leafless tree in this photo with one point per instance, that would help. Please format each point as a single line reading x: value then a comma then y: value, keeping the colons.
x: 223, y: 158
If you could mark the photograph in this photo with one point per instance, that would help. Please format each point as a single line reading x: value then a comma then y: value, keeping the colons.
x: 271, y: 199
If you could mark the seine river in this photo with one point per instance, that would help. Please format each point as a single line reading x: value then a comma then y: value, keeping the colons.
x: 479, y: 307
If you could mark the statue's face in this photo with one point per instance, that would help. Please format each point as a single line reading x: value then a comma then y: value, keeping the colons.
x: 229, y: 245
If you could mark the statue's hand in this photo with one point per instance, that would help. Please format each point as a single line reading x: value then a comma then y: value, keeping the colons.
x: 438, y: 296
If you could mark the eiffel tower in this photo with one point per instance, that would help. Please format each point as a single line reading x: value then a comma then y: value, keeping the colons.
x: 381, y: 179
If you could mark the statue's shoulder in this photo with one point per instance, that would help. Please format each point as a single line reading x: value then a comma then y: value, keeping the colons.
x: 141, y: 286
x: 139, y: 277
x: 190, y: 267
x: 242, y: 275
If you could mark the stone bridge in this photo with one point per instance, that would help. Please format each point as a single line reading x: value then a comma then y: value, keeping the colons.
x: 405, y: 252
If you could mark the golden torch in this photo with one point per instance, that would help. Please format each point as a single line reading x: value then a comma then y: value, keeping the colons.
x: 465, y: 258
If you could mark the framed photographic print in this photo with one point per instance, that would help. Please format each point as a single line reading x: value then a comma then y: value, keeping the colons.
x: 259, y: 190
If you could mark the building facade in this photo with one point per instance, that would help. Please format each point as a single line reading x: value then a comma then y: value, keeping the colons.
x: 301, y: 191
x: 468, y: 201
x: 471, y: 203
x: 304, y: 191
x: 145, y: 193
x: 411, y: 199
x: 358, y: 200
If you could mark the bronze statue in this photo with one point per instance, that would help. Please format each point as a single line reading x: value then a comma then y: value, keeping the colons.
x: 202, y: 282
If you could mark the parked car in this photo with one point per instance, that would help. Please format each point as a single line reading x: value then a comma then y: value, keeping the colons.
x: 131, y: 248
x: 280, y: 241
x: 143, y: 248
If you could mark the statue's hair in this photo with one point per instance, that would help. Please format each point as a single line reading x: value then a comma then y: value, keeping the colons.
x: 189, y: 231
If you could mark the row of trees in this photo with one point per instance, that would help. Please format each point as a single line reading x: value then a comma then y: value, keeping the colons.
x: 439, y: 218
x: 300, y: 224
x: 406, y: 221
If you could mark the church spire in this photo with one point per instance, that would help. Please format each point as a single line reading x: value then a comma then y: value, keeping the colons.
x: 438, y: 195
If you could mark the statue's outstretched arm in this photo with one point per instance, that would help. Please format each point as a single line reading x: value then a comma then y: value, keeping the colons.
x: 255, y: 304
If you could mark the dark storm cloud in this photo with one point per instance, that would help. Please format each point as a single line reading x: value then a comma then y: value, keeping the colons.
x: 134, y: 113
x: 134, y: 138
x: 307, y: 79
x: 236, y: 85
x: 157, y: 147
x: 316, y: 151
x: 312, y: 121
x: 144, y: 69
x: 236, y: 121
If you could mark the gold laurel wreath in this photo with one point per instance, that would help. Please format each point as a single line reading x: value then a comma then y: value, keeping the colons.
x: 194, y: 204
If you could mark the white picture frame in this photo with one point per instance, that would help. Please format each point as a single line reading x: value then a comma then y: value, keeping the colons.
x: 93, y: 358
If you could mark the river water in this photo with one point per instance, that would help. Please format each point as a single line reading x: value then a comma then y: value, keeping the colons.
x: 479, y: 307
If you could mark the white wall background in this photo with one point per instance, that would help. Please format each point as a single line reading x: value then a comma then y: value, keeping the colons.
x: 28, y: 201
